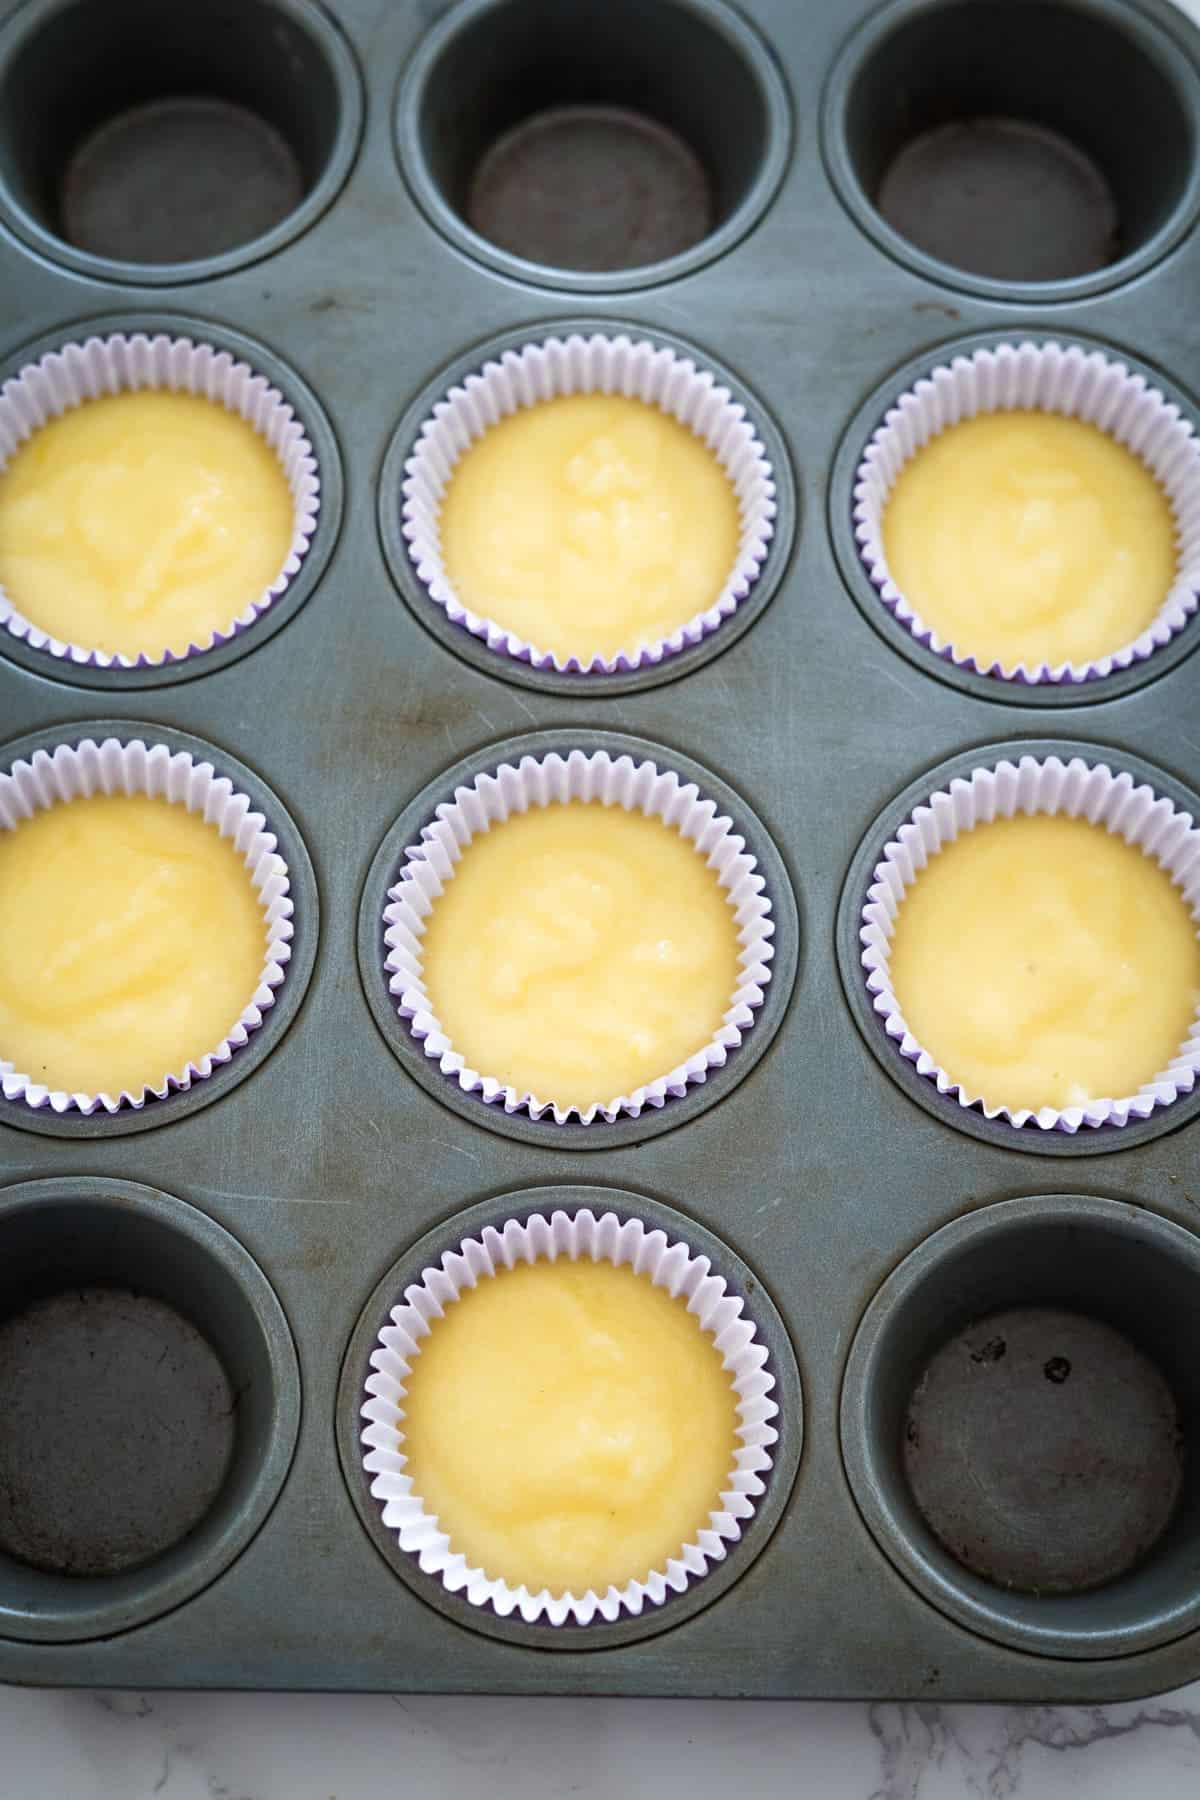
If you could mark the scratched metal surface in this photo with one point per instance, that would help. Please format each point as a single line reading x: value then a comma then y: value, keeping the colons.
x: 328, y: 1161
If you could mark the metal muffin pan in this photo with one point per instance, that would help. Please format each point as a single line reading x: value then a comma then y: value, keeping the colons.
x: 324, y: 1164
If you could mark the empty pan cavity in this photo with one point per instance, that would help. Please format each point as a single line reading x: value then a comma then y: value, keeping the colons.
x: 1020, y: 1419
x: 149, y: 1405
x: 597, y: 146
x: 1043, y: 147
x: 152, y: 143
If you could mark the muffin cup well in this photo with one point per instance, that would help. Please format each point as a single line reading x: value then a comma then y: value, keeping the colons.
x: 487, y: 68
x: 1051, y: 1262
x: 67, y: 1237
x: 122, y: 363
x: 534, y: 372
x: 580, y: 1234
x: 75, y: 771
x: 557, y: 779
x: 94, y: 91
x: 1033, y: 785
x: 1072, y: 382
x: 913, y: 66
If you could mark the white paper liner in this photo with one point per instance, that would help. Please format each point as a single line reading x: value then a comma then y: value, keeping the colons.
x: 1076, y: 790
x: 67, y: 773
x: 78, y: 372
x: 1053, y: 378
x: 428, y: 865
x: 671, y: 1266
x: 579, y: 365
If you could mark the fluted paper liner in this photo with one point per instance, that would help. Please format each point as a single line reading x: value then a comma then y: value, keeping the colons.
x: 1076, y: 790
x: 577, y: 365
x: 671, y: 1266
x: 429, y: 865
x: 67, y: 773
x: 84, y: 371
x: 1053, y: 378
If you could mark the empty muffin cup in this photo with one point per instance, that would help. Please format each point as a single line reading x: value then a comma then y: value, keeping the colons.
x: 71, y: 377
x: 90, y: 965
x: 566, y: 149
x: 600, y: 471
x: 149, y: 1404
x: 1057, y: 380
x: 144, y: 147
x: 1019, y: 1417
x: 1052, y: 981
x: 1049, y: 153
x: 525, y: 789
x: 737, y: 1444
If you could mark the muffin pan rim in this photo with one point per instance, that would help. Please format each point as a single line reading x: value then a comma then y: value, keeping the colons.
x: 290, y: 994
x: 335, y: 48
x: 1044, y: 695
x: 462, y: 643
x: 115, y: 1615
x: 741, y: 1279
x: 545, y: 1133
x: 781, y: 131
x: 1139, y: 23
x: 932, y: 1575
x: 331, y: 500
x: 1087, y: 1141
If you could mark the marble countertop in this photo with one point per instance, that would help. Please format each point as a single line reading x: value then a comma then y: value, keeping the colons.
x: 107, y: 1746
x: 180, y: 1746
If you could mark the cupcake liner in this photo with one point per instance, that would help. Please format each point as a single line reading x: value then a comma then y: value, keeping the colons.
x: 578, y: 365
x: 671, y: 1266
x: 79, y: 372
x: 1076, y: 790
x: 1052, y: 378
x: 492, y: 798
x: 55, y: 778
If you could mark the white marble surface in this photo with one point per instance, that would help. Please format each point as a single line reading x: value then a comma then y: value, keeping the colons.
x: 119, y: 1746
x: 303, y: 1747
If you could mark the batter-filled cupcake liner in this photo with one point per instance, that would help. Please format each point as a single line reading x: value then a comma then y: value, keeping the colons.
x: 1076, y: 790
x: 1052, y: 378
x: 579, y: 1235
x: 78, y: 372
x: 429, y: 865
x: 74, y: 772
x: 592, y: 365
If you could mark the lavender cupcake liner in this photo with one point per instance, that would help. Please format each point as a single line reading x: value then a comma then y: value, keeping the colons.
x: 120, y: 363
x: 75, y: 772
x: 430, y: 864
x: 671, y: 1266
x: 1077, y: 790
x: 1054, y: 378
x: 541, y: 371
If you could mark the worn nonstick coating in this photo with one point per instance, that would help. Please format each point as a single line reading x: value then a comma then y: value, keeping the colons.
x: 328, y: 1162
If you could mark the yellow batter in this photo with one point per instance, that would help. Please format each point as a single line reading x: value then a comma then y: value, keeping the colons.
x: 580, y: 952
x: 131, y: 939
x: 142, y: 522
x: 570, y: 1425
x: 588, y: 525
x: 1046, y: 962
x: 1023, y: 537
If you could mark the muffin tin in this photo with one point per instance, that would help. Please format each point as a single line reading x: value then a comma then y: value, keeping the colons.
x: 871, y: 1218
